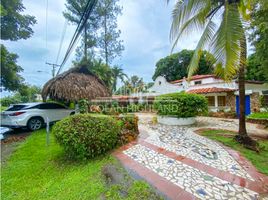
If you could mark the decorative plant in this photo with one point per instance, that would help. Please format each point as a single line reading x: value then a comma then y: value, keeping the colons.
x: 181, y: 105
x: 86, y: 136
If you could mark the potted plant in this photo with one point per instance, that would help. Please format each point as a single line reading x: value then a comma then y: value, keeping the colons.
x: 179, y: 108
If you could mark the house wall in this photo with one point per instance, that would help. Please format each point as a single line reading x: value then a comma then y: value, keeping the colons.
x: 255, y: 104
x: 231, y: 101
x: 161, y: 86
x: 256, y: 87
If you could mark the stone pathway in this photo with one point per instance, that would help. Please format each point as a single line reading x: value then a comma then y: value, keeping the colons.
x: 230, y: 124
x: 184, y: 165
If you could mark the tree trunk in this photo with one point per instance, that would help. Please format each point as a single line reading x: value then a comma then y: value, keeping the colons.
x: 105, y: 38
x: 241, y: 87
x: 85, y: 41
x: 242, y: 136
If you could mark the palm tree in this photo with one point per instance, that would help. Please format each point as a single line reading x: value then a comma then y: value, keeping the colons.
x: 227, y: 42
x: 118, y: 73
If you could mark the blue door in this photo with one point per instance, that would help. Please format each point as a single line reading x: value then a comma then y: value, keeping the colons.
x: 247, y: 103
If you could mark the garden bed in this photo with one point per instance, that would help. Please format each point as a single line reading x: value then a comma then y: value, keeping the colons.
x: 258, y: 118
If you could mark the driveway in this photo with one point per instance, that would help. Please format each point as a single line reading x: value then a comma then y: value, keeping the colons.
x: 183, y: 165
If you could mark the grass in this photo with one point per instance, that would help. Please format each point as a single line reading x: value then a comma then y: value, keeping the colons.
x: 2, y: 108
x: 38, y: 171
x: 259, y: 115
x: 259, y: 160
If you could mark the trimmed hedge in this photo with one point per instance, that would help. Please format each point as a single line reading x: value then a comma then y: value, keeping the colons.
x: 86, y: 136
x: 181, y: 105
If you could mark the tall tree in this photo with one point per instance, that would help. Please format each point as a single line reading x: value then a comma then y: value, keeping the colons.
x: 255, y: 69
x: 259, y: 33
x: 73, y: 13
x: 10, y: 78
x: 174, y: 66
x: 108, y: 42
x: 227, y: 42
x: 101, y: 30
x: 14, y: 26
x: 117, y: 73
x: 133, y: 84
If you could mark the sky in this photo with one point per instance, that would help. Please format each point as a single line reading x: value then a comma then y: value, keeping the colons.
x: 144, y: 25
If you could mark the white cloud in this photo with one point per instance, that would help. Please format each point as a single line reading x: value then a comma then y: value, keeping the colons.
x: 145, y: 30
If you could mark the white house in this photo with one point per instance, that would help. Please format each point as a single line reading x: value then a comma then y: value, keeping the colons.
x: 221, y: 95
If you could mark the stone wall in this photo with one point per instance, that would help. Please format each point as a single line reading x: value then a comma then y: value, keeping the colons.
x: 255, y: 103
x: 230, y: 101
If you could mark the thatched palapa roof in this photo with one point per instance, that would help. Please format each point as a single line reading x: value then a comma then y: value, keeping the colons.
x: 75, y: 84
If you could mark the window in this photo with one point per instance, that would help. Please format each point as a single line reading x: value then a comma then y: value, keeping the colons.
x: 159, y: 83
x: 197, y: 82
x: 44, y: 106
x: 16, y: 107
x: 221, y: 101
x: 51, y: 106
x: 211, y: 100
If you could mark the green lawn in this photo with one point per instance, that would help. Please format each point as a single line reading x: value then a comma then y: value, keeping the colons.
x: 259, y: 160
x: 37, y: 171
x: 260, y: 115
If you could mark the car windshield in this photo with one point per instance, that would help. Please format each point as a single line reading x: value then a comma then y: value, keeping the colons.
x: 16, y: 107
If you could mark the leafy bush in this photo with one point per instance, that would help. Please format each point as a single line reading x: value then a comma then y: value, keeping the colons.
x: 86, y: 136
x: 7, y: 101
x: 129, y: 128
x: 181, y: 105
x: 26, y: 93
x: 83, y: 106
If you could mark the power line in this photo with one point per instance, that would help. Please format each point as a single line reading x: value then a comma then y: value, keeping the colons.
x: 79, y: 29
x: 46, y: 22
x: 53, y: 68
x: 61, y: 40
x: 88, y: 10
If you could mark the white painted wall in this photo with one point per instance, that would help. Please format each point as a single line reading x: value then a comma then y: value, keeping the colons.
x: 256, y: 87
x: 161, y: 86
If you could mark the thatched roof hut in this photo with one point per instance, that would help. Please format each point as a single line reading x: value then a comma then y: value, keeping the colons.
x: 75, y: 84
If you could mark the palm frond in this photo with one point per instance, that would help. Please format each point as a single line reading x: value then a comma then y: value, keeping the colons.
x: 197, y: 22
x: 183, y: 11
x: 205, y: 39
x: 226, y: 42
x: 245, y: 9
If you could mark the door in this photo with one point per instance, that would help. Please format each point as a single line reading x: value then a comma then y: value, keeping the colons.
x: 247, y: 105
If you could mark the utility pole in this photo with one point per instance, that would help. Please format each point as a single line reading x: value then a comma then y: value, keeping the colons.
x: 53, y: 68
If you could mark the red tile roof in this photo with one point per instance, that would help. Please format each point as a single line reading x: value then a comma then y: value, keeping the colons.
x: 210, y: 90
x: 196, y: 77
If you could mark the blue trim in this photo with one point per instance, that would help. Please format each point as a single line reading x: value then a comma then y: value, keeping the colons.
x: 247, y: 105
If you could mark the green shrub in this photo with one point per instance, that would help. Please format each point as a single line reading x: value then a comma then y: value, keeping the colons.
x: 83, y: 106
x: 181, y: 105
x: 129, y: 128
x: 86, y: 136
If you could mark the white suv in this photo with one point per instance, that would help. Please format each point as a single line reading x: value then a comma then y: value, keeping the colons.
x: 33, y: 115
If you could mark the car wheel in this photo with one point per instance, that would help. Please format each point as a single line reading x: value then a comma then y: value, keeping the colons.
x: 35, y: 123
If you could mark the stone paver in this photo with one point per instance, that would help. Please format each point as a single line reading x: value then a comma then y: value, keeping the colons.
x: 183, y: 141
x: 184, y: 165
x: 230, y: 124
x: 200, y: 184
